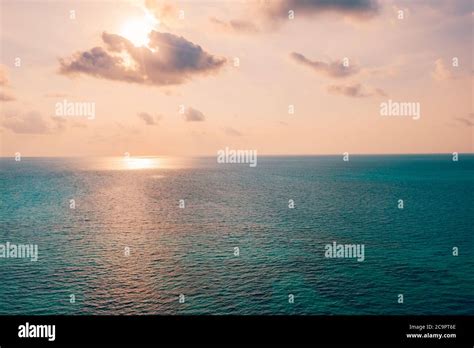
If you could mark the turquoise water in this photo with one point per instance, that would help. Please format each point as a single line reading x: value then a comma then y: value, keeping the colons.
x: 190, y: 251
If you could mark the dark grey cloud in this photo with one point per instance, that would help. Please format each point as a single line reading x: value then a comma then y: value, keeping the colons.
x: 235, y: 25
x: 168, y: 60
x: 193, y: 115
x: 269, y: 14
x: 355, y: 90
x: 149, y: 119
x: 359, y: 9
x: 444, y: 7
x: 333, y: 69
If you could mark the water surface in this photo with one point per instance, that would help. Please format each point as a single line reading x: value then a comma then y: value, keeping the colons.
x: 190, y: 251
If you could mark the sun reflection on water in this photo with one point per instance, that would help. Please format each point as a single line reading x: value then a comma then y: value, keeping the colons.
x: 141, y: 162
x: 135, y: 163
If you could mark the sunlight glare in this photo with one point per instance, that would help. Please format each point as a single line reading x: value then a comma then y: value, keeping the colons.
x: 137, y: 30
x: 140, y: 163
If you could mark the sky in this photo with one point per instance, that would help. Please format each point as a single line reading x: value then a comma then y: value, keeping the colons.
x: 188, y: 78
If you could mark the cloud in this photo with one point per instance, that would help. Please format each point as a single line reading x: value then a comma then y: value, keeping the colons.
x: 4, y: 82
x: 441, y: 72
x: 277, y: 10
x: 336, y: 69
x: 467, y: 121
x: 163, y: 11
x: 380, y: 92
x: 355, y: 91
x: 193, y: 115
x: 235, y: 25
x: 79, y: 125
x: 149, y: 119
x: 59, y: 124
x: 333, y: 69
x: 232, y: 132
x: 168, y: 60
x: 389, y: 71
x: 3, y: 75
x: 5, y: 97
x: 348, y: 90
x: 270, y: 14
x: 443, y: 7
x: 32, y: 123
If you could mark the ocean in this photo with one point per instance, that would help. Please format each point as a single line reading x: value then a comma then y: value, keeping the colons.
x: 174, y: 236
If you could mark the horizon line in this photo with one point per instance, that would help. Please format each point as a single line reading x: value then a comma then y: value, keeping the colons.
x: 263, y: 155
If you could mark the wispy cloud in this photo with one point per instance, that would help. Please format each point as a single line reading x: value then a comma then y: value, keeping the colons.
x: 232, y: 132
x: 32, y: 123
x: 164, y: 11
x: 3, y: 75
x: 149, y: 119
x: 466, y: 121
x: 235, y: 26
x: 6, y: 97
x: 56, y: 95
x: 333, y: 69
x: 4, y: 83
x: 355, y: 90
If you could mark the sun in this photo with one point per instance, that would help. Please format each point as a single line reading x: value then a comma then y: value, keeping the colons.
x: 137, y: 30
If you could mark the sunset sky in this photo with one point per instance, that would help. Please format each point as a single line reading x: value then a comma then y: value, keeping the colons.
x: 139, y: 61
